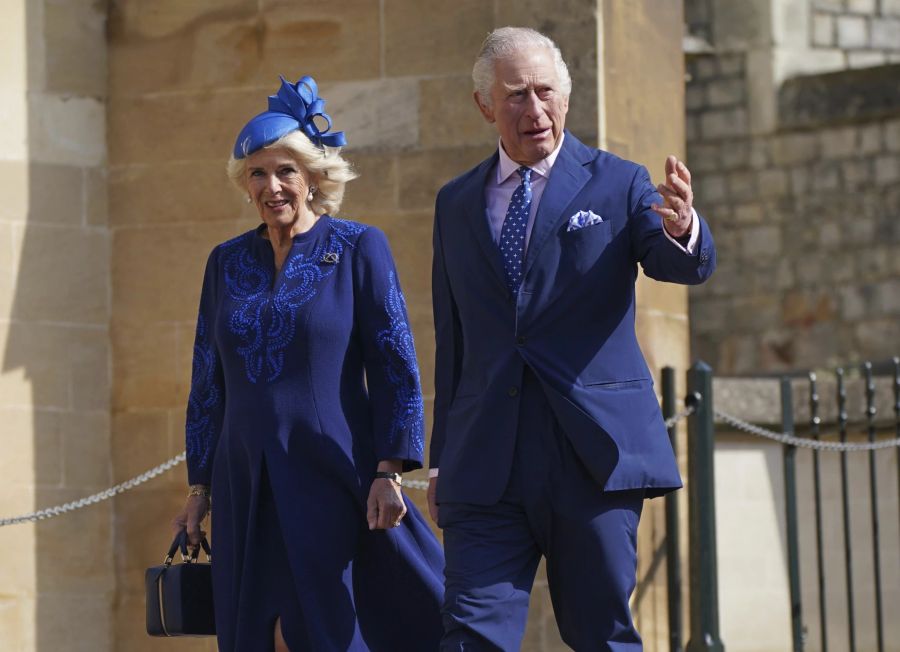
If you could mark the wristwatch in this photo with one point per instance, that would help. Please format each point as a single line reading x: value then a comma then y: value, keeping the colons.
x: 388, y: 475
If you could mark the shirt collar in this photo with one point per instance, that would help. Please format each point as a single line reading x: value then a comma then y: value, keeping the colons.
x: 507, y: 167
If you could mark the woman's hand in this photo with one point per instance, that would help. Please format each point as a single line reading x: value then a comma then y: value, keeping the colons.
x: 385, y: 507
x: 195, y: 510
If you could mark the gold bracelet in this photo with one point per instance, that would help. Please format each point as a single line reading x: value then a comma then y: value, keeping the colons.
x: 198, y: 490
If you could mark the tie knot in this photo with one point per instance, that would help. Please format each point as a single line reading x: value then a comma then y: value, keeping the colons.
x: 525, y: 173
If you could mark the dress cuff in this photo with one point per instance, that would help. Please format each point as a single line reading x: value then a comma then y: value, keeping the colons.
x: 695, y: 234
x: 433, y: 473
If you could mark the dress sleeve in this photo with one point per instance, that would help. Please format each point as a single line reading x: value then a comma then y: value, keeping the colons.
x: 206, y: 401
x: 392, y: 374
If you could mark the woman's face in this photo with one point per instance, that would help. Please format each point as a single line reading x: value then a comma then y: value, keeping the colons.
x: 279, y: 186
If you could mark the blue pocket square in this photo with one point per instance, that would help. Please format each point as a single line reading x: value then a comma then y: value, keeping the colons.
x: 582, y: 219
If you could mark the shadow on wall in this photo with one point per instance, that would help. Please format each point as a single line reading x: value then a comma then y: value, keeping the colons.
x: 56, y: 358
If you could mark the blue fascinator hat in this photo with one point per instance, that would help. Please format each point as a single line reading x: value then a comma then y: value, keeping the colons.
x: 295, y: 107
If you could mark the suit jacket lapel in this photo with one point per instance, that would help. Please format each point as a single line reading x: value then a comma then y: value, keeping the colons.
x: 567, y: 178
x: 476, y: 216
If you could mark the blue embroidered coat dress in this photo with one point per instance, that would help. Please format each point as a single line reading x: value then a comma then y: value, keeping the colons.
x: 302, y: 381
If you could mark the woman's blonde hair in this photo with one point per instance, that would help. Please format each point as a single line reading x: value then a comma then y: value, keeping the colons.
x: 328, y: 171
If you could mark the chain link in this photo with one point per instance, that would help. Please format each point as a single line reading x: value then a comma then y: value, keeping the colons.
x: 680, y: 416
x: 49, y: 512
x: 800, y: 442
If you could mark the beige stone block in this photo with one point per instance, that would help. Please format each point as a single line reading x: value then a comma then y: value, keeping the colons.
x: 582, y: 119
x: 14, y: 616
x: 73, y: 551
x: 632, y: 65
x: 89, y: 367
x: 448, y: 115
x: 654, y: 297
x: 75, y: 47
x: 423, y: 173
x: 65, y: 129
x: 143, y: 367
x: 382, y: 113
x: 37, y: 362
x: 433, y: 38
x: 248, y: 43
x: 77, y: 289
x: 18, y: 543
x: 14, y: 116
x: 140, y: 440
x: 572, y: 24
x: 664, y: 340
x: 144, y: 531
x: 74, y: 621
x: 7, y: 268
x: 328, y: 40
x: 175, y: 192
x: 32, y: 447
x: 179, y: 126
x: 139, y: 20
x: 96, y: 196
x: 14, y: 35
x: 85, y: 450
x: 375, y: 190
x: 219, y: 51
x: 45, y: 193
x: 157, y: 271
x: 14, y: 186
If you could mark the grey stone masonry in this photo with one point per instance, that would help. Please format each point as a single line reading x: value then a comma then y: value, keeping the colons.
x: 866, y: 31
x: 806, y: 217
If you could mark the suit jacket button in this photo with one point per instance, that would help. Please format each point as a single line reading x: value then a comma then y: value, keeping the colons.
x: 513, y: 391
x: 520, y: 340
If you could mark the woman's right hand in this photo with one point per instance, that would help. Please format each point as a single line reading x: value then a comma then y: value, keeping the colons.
x: 195, y: 510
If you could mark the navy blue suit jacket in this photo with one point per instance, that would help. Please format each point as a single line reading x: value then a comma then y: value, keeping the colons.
x: 572, y: 323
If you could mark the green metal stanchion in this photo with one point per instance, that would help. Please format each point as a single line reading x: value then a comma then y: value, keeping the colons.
x: 790, y: 509
x: 704, y: 601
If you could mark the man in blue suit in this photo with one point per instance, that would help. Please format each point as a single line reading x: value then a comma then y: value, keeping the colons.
x: 547, y: 432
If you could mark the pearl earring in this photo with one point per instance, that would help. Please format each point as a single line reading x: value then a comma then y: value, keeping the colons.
x: 312, y: 194
x: 248, y: 200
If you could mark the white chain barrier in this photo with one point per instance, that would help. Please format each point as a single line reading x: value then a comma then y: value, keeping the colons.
x: 50, y: 512
x: 800, y: 442
x: 745, y: 426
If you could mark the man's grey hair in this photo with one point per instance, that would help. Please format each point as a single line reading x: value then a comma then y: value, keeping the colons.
x: 504, y: 42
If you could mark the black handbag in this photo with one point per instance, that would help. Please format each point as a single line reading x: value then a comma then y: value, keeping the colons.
x: 180, y: 596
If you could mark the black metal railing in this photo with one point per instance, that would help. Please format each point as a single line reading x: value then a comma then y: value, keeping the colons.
x: 703, y: 608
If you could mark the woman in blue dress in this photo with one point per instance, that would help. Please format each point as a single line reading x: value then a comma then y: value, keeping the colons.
x: 305, y: 408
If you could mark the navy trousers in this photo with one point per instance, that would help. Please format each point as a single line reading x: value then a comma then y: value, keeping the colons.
x: 553, y: 508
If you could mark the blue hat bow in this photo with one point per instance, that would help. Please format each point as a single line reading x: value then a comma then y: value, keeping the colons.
x: 294, y: 107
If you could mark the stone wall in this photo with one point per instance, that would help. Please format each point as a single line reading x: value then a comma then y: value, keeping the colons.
x: 804, y: 210
x: 56, y: 577
x: 119, y: 117
x: 865, y: 32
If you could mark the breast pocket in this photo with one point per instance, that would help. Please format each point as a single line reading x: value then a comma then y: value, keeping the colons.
x: 583, y: 247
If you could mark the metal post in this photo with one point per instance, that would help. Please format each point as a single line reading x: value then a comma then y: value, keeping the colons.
x: 814, y: 422
x: 873, y: 500
x: 701, y: 494
x: 845, y: 506
x: 896, y: 362
x: 673, y: 558
x: 790, y: 509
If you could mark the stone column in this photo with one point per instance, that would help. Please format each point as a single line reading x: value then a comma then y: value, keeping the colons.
x: 57, y: 579
x: 641, y: 118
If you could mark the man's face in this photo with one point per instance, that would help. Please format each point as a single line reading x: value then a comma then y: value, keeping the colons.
x: 528, y: 107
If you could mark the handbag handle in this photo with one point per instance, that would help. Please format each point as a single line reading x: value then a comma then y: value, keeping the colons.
x: 181, y: 542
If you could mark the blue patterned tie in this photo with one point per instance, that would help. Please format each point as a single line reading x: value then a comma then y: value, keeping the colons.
x: 512, y: 235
